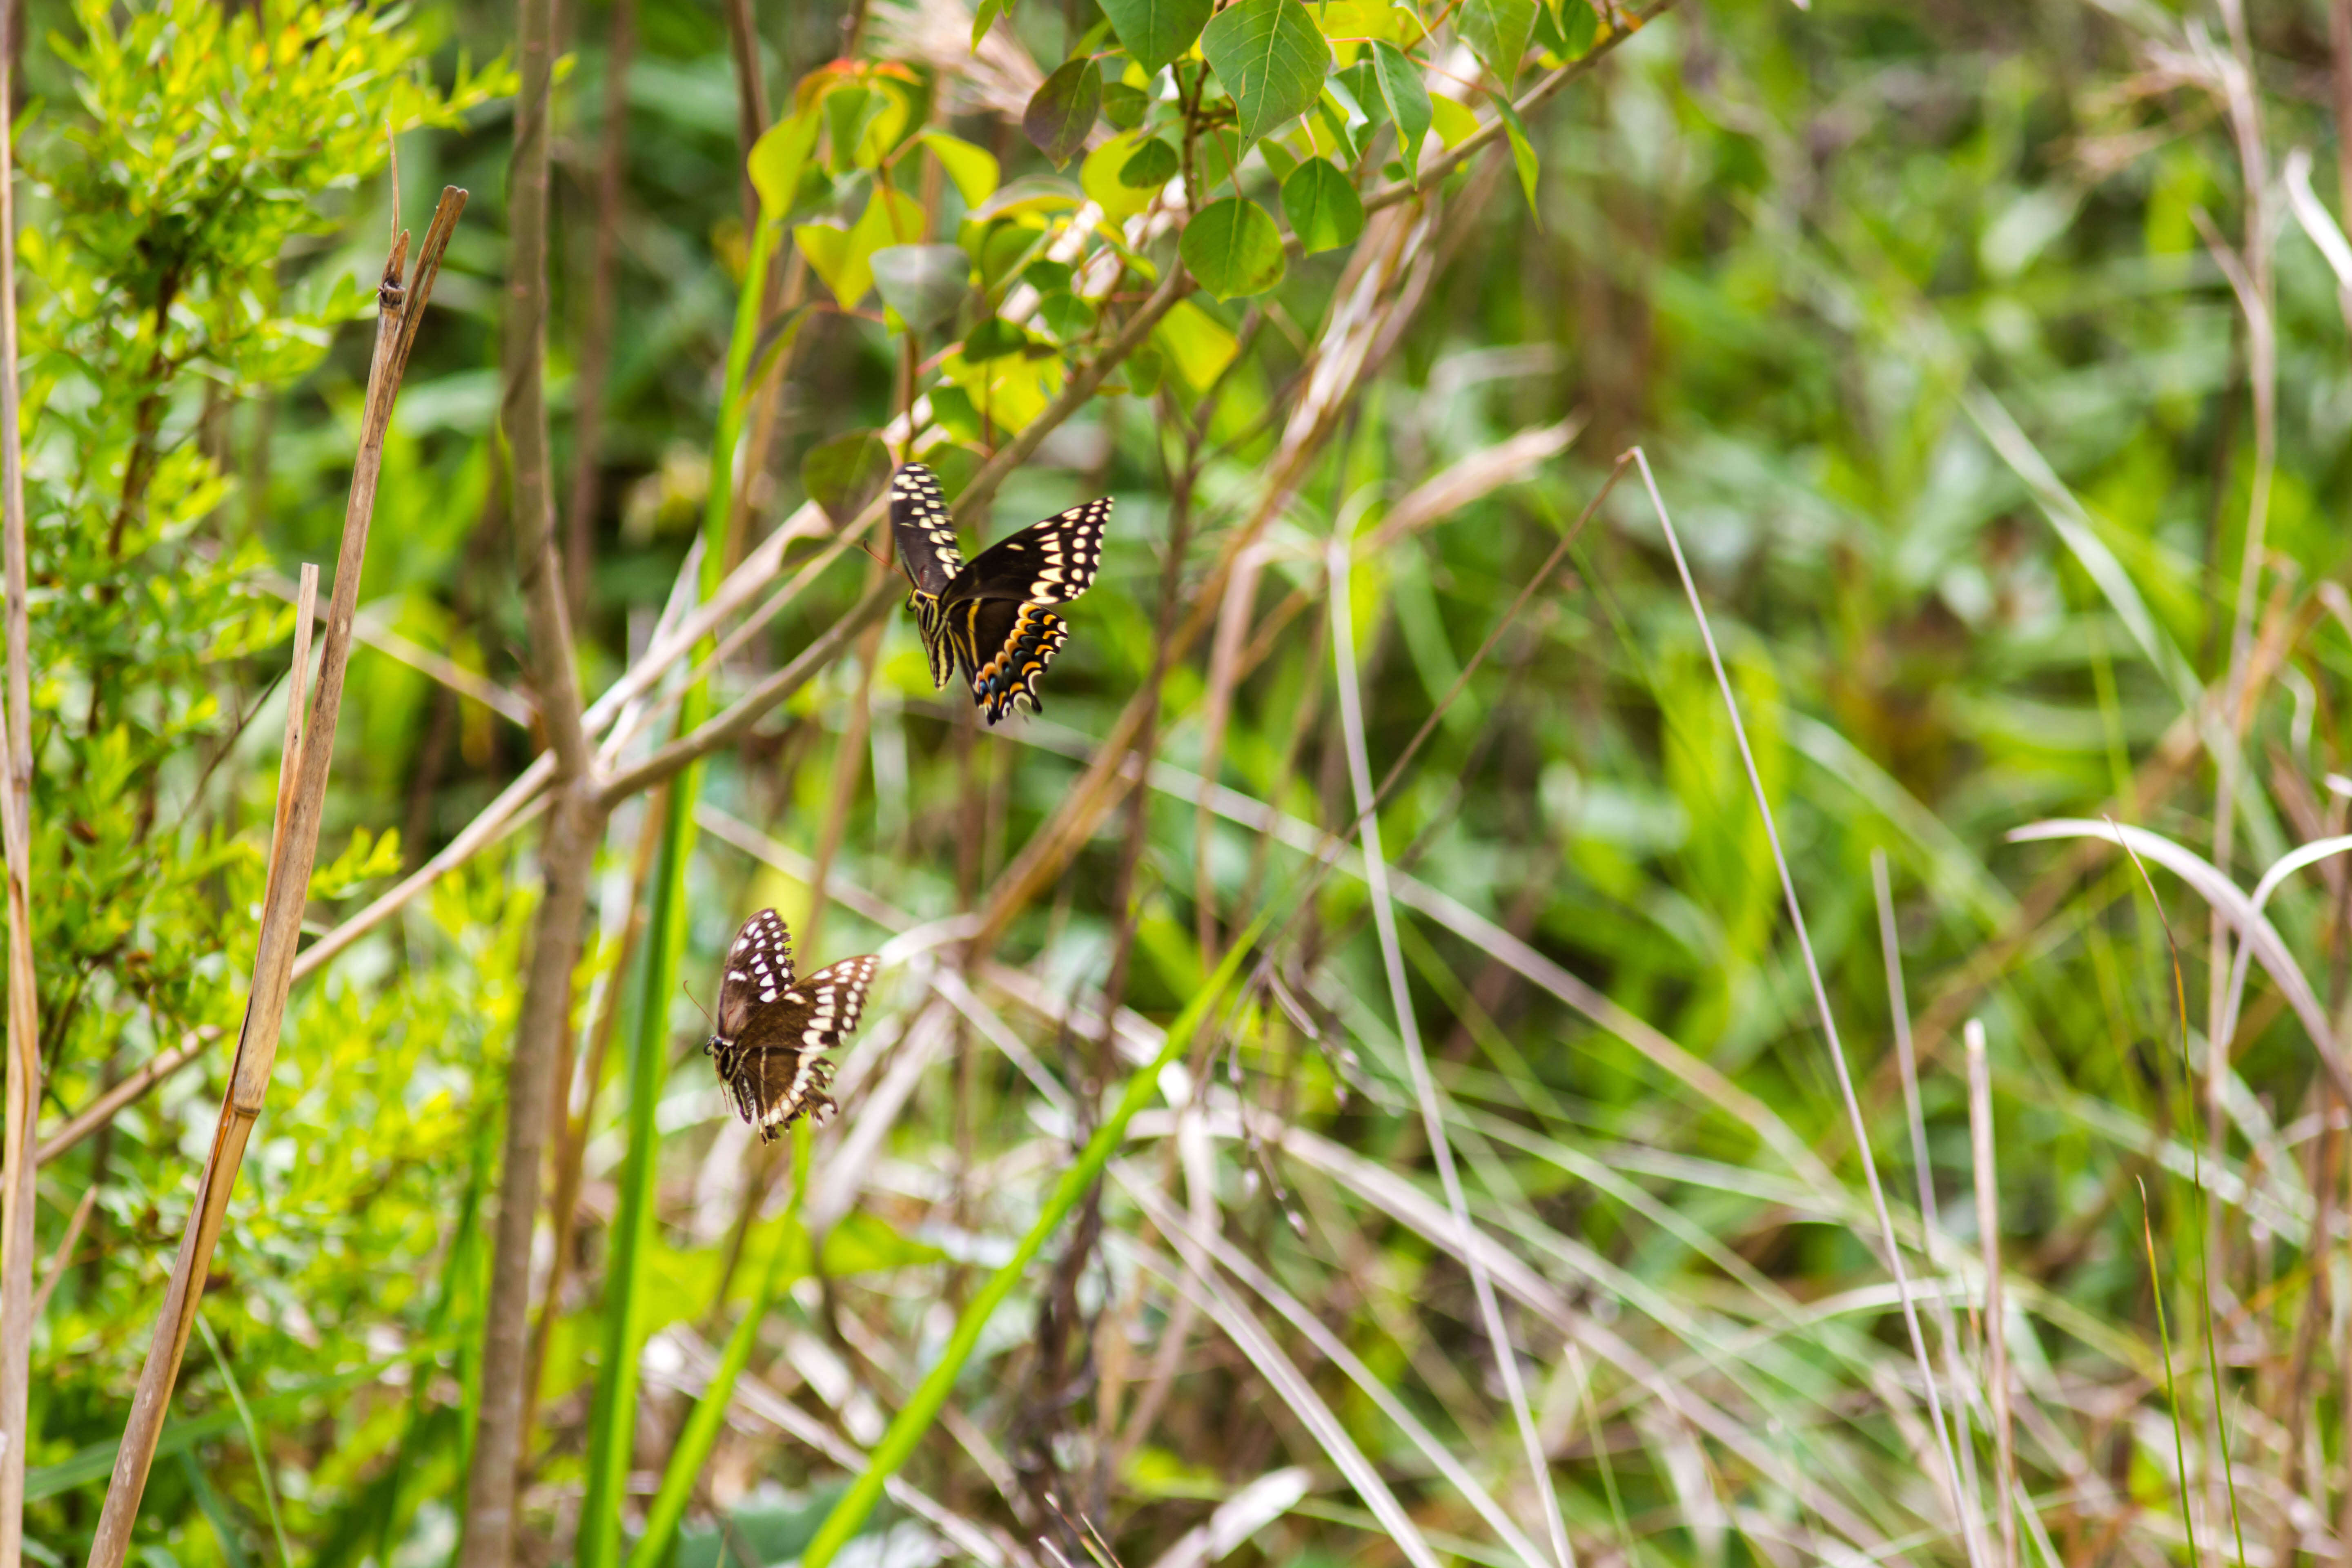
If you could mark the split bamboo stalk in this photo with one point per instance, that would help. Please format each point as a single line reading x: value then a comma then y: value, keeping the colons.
x: 302, y: 791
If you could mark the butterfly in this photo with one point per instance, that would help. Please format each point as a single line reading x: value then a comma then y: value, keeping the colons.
x: 992, y: 617
x: 771, y: 1028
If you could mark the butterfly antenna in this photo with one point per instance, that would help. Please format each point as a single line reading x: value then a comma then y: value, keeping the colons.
x: 699, y: 1008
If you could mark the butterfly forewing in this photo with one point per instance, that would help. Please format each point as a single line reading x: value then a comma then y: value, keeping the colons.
x: 1050, y: 562
x: 759, y: 970
x: 923, y: 529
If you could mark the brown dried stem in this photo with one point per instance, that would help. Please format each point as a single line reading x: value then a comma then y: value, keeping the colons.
x: 302, y: 788
x: 575, y: 822
x: 1996, y: 1335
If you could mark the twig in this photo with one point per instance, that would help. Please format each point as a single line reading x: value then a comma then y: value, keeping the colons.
x: 303, y: 778
x: 63, y: 1256
x: 1996, y: 1323
x: 106, y: 1106
x: 23, y: 1102
x: 1821, y: 995
x: 575, y: 823
x: 512, y: 706
x: 596, y: 332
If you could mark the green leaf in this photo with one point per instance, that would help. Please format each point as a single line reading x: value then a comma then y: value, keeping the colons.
x: 952, y: 407
x: 993, y: 338
x: 1498, y: 33
x: 1152, y: 165
x: 845, y: 258
x: 1199, y: 346
x: 778, y: 160
x: 1232, y: 247
x: 1063, y: 110
x: 1100, y: 175
x: 1325, y: 211
x: 1125, y: 106
x: 984, y: 17
x: 924, y: 283
x: 1157, y: 31
x: 1048, y: 276
x: 845, y: 473
x: 1523, y: 151
x: 1408, y: 103
x: 1455, y: 121
x: 974, y: 169
x: 1580, y: 28
x: 825, y: 248
x: 1145, y: 366
x: 1067, y: 317
x: 850, y: 112
x: 1269, y: 57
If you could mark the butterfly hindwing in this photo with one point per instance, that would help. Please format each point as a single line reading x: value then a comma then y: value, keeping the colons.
x: 773, y: 1029
x: 1004, y: 647
x: 1050, y: 562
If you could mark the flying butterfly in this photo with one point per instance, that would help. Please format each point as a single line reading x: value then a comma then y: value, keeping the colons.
x: 773, y: 1029
x: 991, y: 618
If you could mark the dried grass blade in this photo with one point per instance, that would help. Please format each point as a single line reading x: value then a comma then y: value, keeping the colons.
x: 1424, y: 1087
x: 1821, y: 1001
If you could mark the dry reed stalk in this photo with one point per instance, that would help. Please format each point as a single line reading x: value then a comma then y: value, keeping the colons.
x: 1988, y: 1181
x: 302, y: 788
x: 19, y: 1154
x: 63, y: 1255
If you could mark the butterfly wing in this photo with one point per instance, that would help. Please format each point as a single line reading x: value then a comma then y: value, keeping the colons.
x: 759, y: 970
x: 923, y: 529
x: 1050, y: 562
x: 925, y: 534
x: 1004, y: 646
x: 780, y: 1070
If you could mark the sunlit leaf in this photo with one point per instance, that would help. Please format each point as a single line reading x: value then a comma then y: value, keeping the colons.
x: 1157, y: 31
x: 1233, y: 248
x: 974, y: 169
x: 1100, y: 175
x: 1407, y: 101
x: 1455, y: 121
x: 1063, y: 110
x: 1270, y: 57
x: 1498, y: 32
x: 1324, y: 209
x: 1199, y: 347
x: 778, y: 159
x: 1523, y: 151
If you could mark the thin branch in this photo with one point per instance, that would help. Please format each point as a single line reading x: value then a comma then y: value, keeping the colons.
x: 574, y: 825
x: 596, y: 332
x: 303, y: 782
x: 512, y: 706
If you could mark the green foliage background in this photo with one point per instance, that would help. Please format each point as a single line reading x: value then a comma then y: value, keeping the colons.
x: 1910, y: 308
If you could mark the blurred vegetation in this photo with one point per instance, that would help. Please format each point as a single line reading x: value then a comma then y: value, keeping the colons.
x: 1967, y: 345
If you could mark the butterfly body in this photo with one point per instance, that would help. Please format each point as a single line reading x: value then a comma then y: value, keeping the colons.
x: 993, y: 619
x: 773, y: 1027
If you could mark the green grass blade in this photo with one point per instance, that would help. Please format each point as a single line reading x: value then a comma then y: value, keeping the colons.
x: 612, y: 1418
x: 701, y: 1431
x: 253, y: 1440
x: 923, y: 1406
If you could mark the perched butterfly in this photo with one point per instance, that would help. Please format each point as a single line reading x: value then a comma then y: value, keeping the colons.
x: 771, y: 1029
x: 992, y: 617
